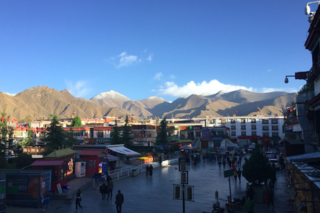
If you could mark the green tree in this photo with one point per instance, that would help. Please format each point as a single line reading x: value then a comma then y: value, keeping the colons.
x: 70, y: 138
x: 23, y: 160
x: 27, y: 141
x: 55, y: 137
x: 257, y: 168
x: 162, y: 135
x: 76, y: 122
x: 126, y: 134
x: 115, y: 134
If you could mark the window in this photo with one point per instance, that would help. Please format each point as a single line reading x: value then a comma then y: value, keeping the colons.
x: 265, y: 128
x: 233, y: 127
x: 243, y: 127
x: 243, y: 120
x: 220, y: 133
x: 243, y: 133
x: 233, y: 121
x: 212, y: 121
x: 275, y: 128
x: 275, y: 134
x: 254, y: 127
x: 274, y: 121
x: 223, y: 121
x: 254, y: 134
x: 265, y: 121
x: 266, y: 134
x: 253, y: 120
x: 100, y: 134
x: 233, y: 133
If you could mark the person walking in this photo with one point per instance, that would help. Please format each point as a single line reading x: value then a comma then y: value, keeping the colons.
x: 249, y: 206
x: 235, y: 174
x: 147, y: 170
x: 119, y: 201
x: 110, y: 188
x: 160, y: 161
x: 224, y: 162
x: 239, y: 174
x: 270, y: 197
x: 103, y: 190
x: 78, y: 199
x: 250, y: 193
x: 151, y: 169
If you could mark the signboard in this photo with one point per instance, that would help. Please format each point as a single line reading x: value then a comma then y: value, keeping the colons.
x: 228, y: 173
x: 102, y: 140
x: 105, y: 168
x: 216, y: 138
x: 205, y: 133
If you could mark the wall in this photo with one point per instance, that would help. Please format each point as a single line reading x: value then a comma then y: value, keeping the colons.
x: 89, y: 169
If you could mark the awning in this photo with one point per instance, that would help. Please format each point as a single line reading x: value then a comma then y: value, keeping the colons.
x: 123, y: 150
x: 112, y: 158
x: 186, y: 147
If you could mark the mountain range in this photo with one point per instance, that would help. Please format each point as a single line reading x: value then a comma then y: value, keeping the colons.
x: 41, y: 101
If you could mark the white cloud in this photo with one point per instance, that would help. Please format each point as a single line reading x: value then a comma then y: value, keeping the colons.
x: 150, y: 57
x: 204, y: 87
x: 127, y: 60
x: 264, y: 89
x: 158, y: 76
x: 172, y: 77
x: 77, y: 89
x: 9, y: 94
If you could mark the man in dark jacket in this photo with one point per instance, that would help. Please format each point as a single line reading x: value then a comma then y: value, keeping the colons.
x: 119, y: 201
x: 103, y: 190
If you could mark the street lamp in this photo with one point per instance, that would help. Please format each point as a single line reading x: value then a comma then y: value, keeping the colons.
x: 308, y: 12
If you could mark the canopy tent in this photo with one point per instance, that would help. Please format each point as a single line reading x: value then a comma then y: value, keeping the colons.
x: 186, y: 147
x: 227, y: 143
x: 123, y: 150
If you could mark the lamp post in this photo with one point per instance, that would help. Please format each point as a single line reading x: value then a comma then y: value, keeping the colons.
x: 298, y: 75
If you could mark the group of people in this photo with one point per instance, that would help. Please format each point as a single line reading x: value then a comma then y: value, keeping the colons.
x: 149, y: 170
x: 106, y: 188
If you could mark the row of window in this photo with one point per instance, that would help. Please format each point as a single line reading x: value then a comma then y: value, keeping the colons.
x: 254, y: 127
x: 274, y: 134
x: 264, y: 121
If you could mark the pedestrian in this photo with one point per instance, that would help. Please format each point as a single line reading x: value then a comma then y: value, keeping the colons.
x: 249, y: 206
x: 160, y: 161
x: 250, y: 193
x: 235, y: 174
x: 103, y: 190
x: 78, y: 199
x: 234, y: 166
x: 240, y: 159
x: 147, y: 170
x: 110, y: 188
x: 239, y: 174
x: 108, y: 178
x: 224, y: 162
x: 119, y: 201
x: 270, y: 197
x: 151, y: 169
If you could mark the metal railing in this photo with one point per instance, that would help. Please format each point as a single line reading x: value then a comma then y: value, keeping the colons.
x: 127, y: 171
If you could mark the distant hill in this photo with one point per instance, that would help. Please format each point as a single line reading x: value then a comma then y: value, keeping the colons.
x: 41, y: 101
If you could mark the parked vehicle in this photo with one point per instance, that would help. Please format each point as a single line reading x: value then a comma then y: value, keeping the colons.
x: 276, y: 162
x: 251, y: 147
x: 269, y: 154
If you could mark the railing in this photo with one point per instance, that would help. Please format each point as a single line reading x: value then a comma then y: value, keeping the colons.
x: 125, y: 172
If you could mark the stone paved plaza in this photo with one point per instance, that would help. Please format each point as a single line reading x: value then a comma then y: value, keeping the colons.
x: 154, y: 194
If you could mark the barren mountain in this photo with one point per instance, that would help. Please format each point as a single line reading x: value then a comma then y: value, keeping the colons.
x: 244, y: 96
x: 41, y: 101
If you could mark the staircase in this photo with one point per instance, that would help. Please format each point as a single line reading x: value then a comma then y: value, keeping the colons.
x: 196, y: 143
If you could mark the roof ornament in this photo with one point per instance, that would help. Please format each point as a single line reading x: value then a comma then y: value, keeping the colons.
x: 308, y: 12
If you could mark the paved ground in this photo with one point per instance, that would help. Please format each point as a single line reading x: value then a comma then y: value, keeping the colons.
x: 154, y: 194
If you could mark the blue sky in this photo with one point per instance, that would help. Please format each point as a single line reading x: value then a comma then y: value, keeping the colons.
x: 146, y: 48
